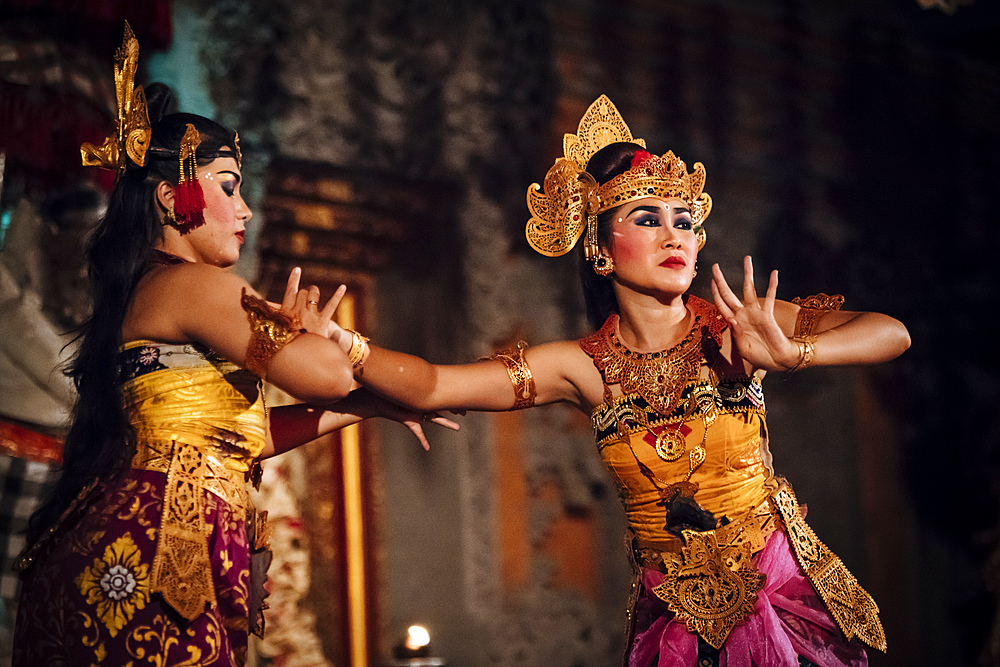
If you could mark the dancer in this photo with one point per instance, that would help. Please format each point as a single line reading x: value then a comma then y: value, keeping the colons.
x: 149, y: 549
x: 727, y: 570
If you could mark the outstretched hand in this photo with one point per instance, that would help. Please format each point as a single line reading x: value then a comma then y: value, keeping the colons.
x: 304, y: 305
x: 408, y: 418
x: 756, y: 333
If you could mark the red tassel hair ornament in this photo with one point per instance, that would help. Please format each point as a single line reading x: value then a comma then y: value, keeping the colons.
x: 189, y: 200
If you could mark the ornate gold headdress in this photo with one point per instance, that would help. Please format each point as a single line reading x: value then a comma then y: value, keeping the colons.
x: 132, y: 139
x: 572, y: 198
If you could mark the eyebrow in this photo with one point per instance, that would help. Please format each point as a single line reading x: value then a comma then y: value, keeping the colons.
x: 231, y: 173
x: 655, y: 209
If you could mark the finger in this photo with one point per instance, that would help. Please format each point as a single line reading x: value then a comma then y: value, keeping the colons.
x: 719, y: 303
x: 313, y: 296
x: 772, y: 292
x: 300, y: 300
x: 749, y: 289
x: 291, y: 288
x: 419, y: 432
x: 334, y: 301
x: 445, y: 422
x: 725, y: 293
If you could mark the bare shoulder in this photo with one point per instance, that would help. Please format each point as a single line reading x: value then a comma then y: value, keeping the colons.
x: 168, y: 299
x: 191, y: 277
x: 566, y: 360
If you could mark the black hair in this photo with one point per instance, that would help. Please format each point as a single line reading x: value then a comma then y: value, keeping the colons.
x: 101, y: 441
x: 598, y: 291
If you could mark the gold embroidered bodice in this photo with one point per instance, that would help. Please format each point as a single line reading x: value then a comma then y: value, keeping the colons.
x: 707, y: 431
x: 201, y: 421
x: 670, y: 426
x: 186, y: 394
x: 731, y: 480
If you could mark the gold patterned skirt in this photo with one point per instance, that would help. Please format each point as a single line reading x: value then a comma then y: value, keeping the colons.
x: 86, y: 598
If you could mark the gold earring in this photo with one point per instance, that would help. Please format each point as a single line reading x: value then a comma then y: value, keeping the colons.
x: 603, y: 265
x: 169, y: 218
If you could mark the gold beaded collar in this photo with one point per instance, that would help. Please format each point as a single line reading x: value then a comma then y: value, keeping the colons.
x: 659, y: 377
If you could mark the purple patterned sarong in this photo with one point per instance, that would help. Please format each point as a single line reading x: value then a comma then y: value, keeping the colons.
x: 88, y: 598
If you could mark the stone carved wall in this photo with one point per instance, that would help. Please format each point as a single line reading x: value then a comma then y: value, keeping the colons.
x: 458, y: 95
x: 790, y: 103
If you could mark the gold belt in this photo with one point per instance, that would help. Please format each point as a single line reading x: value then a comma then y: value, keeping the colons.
x: 182, y: 571
x: 227, y: 484
x: 710, y: 582
x: 752, y: 530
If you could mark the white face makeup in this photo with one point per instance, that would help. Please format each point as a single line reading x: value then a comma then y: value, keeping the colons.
x: 218, y: 241
x: 654, y: 246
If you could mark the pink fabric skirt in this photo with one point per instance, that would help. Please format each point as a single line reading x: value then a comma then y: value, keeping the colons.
x: 790, y: 620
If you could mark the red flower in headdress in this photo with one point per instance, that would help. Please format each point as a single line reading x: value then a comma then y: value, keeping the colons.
x: 639, y: 158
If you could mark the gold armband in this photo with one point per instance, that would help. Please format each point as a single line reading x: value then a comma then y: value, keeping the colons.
x: 810, y: 310
x: 520, y: 375
x: 270, y: 330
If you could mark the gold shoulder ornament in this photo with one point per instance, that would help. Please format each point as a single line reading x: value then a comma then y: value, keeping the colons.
x: 131, y: 141
x: 270, y: 330
x: 571, y: 199
x: 810, y: 310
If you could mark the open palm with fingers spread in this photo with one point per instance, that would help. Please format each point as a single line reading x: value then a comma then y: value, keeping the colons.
x: 756, y: 333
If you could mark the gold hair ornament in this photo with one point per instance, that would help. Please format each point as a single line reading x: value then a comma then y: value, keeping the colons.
x: 571, y: 199
x: 189, y: 199
x: 132, y: 138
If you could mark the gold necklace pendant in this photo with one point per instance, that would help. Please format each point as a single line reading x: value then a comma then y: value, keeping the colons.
x: 670, y: 444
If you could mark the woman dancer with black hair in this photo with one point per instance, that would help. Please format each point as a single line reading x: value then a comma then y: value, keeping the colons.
x: 726, y: 569
x: 149, y: 550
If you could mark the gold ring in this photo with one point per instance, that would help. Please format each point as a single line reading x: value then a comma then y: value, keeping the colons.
x: 315, y: 303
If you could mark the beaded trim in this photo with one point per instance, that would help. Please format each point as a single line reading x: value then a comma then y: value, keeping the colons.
x: 659, y: 377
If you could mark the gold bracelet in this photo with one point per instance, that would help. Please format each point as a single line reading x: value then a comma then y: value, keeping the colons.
x: 359, y: 351
x: 807, y: 350
x: 520, y: 375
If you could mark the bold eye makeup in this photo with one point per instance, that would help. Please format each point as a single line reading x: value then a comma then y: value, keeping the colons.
x: 645, y: 216
x: 229, y: 182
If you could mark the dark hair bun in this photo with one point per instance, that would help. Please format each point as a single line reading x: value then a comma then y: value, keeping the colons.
x: 159, y: 98
x: 612, y: 160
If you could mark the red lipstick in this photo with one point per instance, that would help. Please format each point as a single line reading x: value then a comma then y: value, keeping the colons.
x: 673, y: 263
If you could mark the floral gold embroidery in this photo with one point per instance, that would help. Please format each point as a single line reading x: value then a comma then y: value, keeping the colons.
x: 117, y: 583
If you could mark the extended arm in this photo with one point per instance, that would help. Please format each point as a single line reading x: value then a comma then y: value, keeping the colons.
x: 763, y: 329
x: 294, y: 425
x: 485, y: 385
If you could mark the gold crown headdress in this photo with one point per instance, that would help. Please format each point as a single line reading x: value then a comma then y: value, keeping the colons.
x: 571, y: 200
x: 132, y: 141
x: 132, y: 138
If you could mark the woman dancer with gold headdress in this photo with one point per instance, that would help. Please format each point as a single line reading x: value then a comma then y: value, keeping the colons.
x: 149, y: 550
x: 727, y: 570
